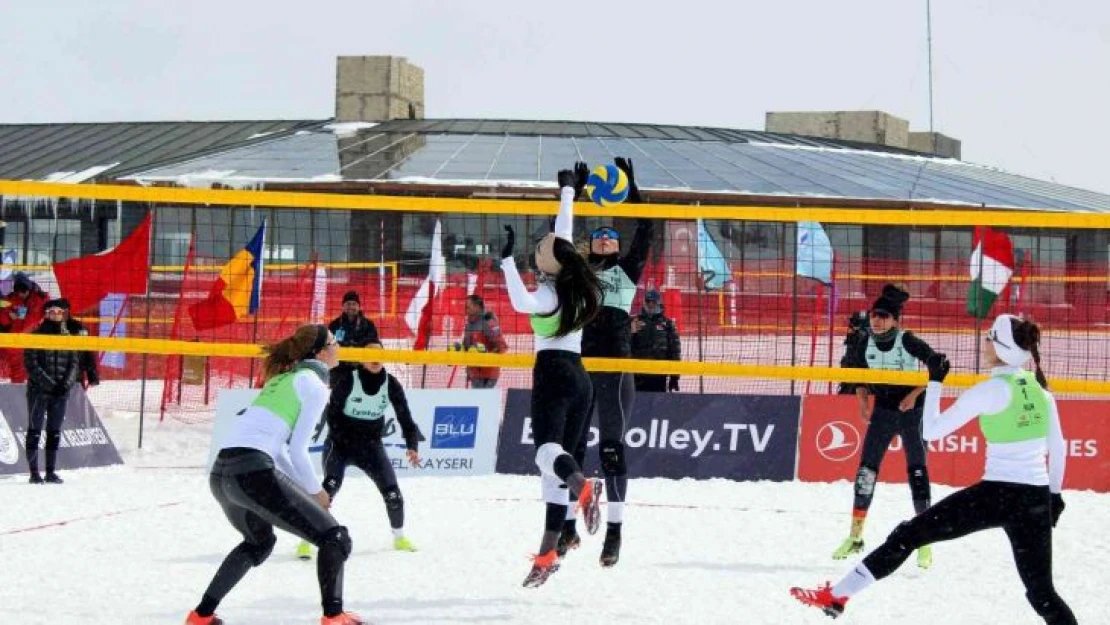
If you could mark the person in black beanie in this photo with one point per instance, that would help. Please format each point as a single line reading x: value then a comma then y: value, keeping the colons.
x: 897, y: 411
x: 351, y: 328
x: 50, y: 376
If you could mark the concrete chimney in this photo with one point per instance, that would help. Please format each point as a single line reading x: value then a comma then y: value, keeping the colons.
x: 935, y: 143
x: 378, y: 89
x: 874, y: 127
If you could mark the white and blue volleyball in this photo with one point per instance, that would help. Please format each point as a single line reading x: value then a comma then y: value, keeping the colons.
x: 607, y: 185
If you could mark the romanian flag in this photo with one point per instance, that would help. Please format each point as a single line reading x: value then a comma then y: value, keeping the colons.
x: 237, y: 291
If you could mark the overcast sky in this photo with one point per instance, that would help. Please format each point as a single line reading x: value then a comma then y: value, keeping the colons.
x: 1023, y: 83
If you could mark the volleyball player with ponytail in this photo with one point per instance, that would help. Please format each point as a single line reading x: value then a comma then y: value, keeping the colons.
x: 567, y: 297
x: 263, y: 477
x: 1019, y: 491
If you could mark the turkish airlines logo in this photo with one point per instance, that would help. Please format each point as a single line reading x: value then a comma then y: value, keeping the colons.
x: 838, y: 441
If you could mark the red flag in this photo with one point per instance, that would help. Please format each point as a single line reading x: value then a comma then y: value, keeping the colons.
x: 86, y: 280
x: 672, y: 305
x: 424, y: 327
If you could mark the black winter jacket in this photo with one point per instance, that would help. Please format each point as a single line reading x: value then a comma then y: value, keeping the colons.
x: 87, y: 367
x: 50, y: 370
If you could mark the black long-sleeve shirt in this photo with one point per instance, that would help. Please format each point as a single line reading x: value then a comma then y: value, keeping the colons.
x: 889, y: 395
x: 610, y: 332
x: 350, y: 432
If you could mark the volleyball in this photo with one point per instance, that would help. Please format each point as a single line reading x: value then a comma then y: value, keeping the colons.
x: 607, y: 185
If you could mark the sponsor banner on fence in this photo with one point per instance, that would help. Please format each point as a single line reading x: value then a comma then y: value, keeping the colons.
x: 675, y: 435
x: 832, y: 438
x: 85, y: 442
x: 460, y: 428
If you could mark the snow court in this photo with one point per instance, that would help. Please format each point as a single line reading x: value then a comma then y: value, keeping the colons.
x: 140, y: 544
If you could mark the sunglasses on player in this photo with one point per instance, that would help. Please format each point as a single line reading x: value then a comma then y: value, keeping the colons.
x: 605, y: 233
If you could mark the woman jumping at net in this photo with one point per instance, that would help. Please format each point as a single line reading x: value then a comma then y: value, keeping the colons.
x: 566, y: 298
x: 1019, y: 493
x: 609, y: 335
x: 263, y: 477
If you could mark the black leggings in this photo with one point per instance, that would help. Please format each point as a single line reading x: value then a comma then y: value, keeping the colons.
x: 44, y: 408
x: 372, y: 460
x: 884, y: 426
x: 611, y: 400
x: 560, y: 402
x: 255, y: 498
x: 1022, y: 511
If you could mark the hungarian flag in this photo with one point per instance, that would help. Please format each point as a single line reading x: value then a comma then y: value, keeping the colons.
x: 992, y: 264
x: 86, y: 280
x: 237, y: 291
x: 420, y: 311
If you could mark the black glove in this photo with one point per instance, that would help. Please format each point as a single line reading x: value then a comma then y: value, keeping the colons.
x: 625, y: 165
x: 510, y: 241
x: 1057, y: 507
x: 566, y: 178
x: 60, y: 389
x: 938, y: 366
x: 672, y: 384
x: 581, y: 175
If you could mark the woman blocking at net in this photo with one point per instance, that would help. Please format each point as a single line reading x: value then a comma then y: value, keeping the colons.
x: 355, y: 417
x: 1018, y: 492
x: 609, y: 335
x: 567, y: 296
x: 263, y: 478
x: 896, y: 412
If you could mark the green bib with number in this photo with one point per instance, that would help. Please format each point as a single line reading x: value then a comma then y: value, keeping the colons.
x: 1025, y: 418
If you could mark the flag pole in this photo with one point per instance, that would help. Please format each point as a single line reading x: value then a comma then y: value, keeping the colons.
x: 979, y: 305
x: 258, y: 313
x: 146, y: 299
x: 794, y: 311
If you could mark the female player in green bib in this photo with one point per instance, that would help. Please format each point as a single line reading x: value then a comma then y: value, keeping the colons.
x: 1019, y: 492
x: 566, y: 298
x: 262, y: 477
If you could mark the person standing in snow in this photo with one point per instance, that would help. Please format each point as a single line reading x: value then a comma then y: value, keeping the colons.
x: 355, y: 417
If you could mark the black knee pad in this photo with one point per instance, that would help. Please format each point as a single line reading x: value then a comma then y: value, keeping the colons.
x: 612, y: 458
x: 865, y: 481
x: 337, y: 538
x: 53, y: 439
x: 258, y: 552
x: 919, y: 483
x: 332, y: 484
x: 393, y: 498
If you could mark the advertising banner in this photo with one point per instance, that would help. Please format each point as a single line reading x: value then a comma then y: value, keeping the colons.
x: 832, y: 437
x: 85, y: 442
x: 460, y: 427
x: 676, y: 435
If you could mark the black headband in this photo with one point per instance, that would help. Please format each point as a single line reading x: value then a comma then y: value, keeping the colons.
x: 320, y: 343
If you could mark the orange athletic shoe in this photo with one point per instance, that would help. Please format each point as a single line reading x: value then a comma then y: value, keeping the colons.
x: 343, y: 618
x: 196, y: 619
x: 542, y: 568
x: 589, y: 502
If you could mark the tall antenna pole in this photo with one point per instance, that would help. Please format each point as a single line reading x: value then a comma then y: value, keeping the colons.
x: 929, y: 42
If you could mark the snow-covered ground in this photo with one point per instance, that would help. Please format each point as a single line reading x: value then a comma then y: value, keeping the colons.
x: 138, y: 544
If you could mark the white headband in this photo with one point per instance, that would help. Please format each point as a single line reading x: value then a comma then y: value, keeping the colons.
x: 1002, y: 335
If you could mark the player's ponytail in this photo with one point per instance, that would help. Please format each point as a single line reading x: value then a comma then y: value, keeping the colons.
x: 282, y: 355
x: 1027, y: 336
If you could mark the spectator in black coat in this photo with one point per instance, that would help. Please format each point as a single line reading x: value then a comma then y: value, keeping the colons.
x: 51, y: 374
x: 655, y: 337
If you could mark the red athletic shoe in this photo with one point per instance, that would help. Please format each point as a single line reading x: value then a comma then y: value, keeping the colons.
x: 542, y: 568
x: 821, y: 598
x: 589, y: 502
x: 344, y: 618
x: 196, y: 619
